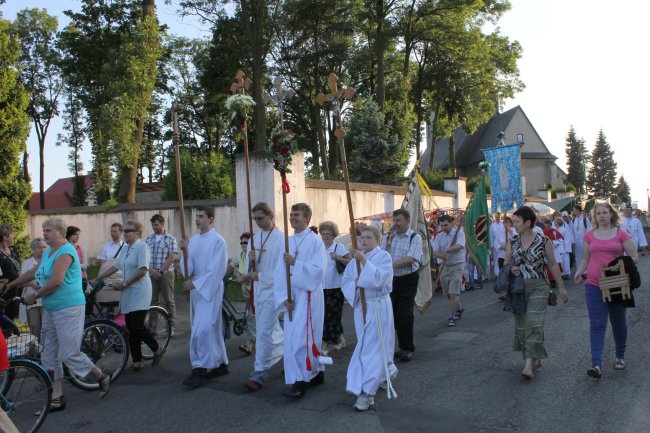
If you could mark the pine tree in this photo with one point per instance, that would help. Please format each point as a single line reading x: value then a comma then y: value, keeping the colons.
x: 601, y: 179
x: 73, y: 124
x: 623, y: 193
x: 576, y: 159
x: 14, y: 128
x: 376, y: 154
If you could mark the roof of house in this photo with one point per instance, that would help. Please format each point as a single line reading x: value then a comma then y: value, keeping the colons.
x: 469, y: 148
x: 52, y: 201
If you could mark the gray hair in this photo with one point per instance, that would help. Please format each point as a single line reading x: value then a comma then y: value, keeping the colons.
x: 5, y: 230
x: 35, y: 242
x: 330, y: 227
x: 57, y: 224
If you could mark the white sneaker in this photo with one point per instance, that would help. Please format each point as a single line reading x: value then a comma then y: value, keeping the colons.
x: 340, y: 344
x: 364, y: 402
x: 384, y: 385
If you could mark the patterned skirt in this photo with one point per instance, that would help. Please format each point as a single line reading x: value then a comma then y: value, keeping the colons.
x: 529, y: 328
x: 332, y: 327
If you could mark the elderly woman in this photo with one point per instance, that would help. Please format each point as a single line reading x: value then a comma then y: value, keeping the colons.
x: 529, y: 252
x: 238, y: 267
x: 59, y: 279
x: 135, y: 298
x: 332, y: 327
x: 604, y: 243
x: 9, y: 268
x: 34, y: 312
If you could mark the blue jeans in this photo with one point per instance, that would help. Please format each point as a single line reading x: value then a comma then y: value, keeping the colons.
x: 598, y: 313
x: 471, y: 267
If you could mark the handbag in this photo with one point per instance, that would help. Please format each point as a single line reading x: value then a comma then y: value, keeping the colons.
x: 552, y: 298
x: 340, y: 267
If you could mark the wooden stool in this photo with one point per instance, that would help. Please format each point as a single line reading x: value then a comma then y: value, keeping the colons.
x: 616, y: 284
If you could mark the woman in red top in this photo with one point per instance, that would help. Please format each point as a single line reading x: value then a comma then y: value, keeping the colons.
x: 604, y: 243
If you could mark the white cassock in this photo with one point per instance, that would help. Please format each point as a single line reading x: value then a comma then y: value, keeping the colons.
x: 635, y: 229
x: 207, y: 263
x: 497, y: 237
x: 269, y: 247
x: 566, y: 243
x: 302, y: 334
x: 558, y: 246
x: 372, y: 360
x: 579, y: 226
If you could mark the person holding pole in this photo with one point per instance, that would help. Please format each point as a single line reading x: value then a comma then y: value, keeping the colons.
x: 207, y: 260
x: 449, y: 246
x: 405, y: 247
x: 265, y: 249
x: 303, y: 333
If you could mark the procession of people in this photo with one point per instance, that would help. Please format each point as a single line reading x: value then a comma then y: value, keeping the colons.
x: 298, y: 320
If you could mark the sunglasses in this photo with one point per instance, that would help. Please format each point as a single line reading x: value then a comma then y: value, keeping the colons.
x: 128, y: 230
x: 243, y: 242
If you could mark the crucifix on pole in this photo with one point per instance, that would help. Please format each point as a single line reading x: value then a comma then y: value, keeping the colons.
x: 240, y: 85
x: 278, y: 99
x: 179, y: 186
x: 336, y: 97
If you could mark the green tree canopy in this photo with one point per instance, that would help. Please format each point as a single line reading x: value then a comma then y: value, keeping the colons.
x: 576, y: 160
x: 623, y: 193
x: 601, y: 180
x: 205, y: 176
x: 14, y: 128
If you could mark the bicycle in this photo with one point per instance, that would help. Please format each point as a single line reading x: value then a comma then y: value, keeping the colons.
x: 25, y: 387
x: 228, y: 315
x: 157, y: 319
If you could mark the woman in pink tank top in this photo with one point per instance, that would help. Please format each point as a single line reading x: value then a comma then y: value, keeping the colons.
x: 604, y: 243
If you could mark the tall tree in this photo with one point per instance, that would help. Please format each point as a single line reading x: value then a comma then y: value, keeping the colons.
x: 74, y: 126
x: 601, y: 180
x: 375, y: 153
x: 623, y: 194
x: 40, y: 74
x: 14, y: 128
x: 576, y: 160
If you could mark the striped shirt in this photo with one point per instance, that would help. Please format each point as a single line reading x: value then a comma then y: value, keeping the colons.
x: 404, y: 246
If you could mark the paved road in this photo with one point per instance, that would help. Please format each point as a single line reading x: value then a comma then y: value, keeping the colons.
x: 463, y: 379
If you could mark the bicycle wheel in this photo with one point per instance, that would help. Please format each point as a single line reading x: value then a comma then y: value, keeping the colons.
x: 160, y: 325
x: 26, y: 389
x: 107, y: 346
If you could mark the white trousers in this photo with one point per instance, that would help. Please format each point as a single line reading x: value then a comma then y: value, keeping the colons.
x: 61, y: 338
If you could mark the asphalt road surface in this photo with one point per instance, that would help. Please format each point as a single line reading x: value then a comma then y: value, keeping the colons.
x: 462, y: 379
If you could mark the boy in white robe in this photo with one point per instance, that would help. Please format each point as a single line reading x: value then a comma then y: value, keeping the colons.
x: 371, y: 365
x: 579, y: 226
x: 207, y: 263
x: 566, y: 243
x: 634, y: 228
x: 265, y: 250
x: 304, y: 332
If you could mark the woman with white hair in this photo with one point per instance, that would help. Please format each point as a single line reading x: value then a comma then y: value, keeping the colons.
x: 59, y: 285
x: 33, y: 312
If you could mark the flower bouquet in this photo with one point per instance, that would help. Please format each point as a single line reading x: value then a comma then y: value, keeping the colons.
x: 282, y: 145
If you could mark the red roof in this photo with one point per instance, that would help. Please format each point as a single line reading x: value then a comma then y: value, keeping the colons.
x: 52, y: 201
x: 65, y: 185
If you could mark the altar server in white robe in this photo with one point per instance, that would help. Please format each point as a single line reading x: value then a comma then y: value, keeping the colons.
x: 566, y: 243
x: 580, y: 225
x: 497, y: 237
x: 304, y: 332
x: 207, y: 263
x: 265, y: 250
x: 371, y: 366
x: 633, y: 227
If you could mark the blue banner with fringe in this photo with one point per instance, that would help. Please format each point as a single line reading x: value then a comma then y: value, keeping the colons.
x: 505, y: 177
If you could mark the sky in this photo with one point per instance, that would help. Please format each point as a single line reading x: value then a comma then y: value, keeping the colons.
x: 583, y: 65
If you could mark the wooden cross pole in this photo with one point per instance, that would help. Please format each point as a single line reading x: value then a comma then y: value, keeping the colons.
x: 240, y: 85
x: 278, y: 99
x: 179, y: 187
x: 336, y: 98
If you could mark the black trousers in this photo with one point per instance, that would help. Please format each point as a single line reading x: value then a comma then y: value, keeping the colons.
x: 139, y: 333
x: 403, y: 299
x: 332, y: 327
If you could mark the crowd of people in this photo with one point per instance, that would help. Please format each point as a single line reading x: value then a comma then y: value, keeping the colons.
x: 296, y: 299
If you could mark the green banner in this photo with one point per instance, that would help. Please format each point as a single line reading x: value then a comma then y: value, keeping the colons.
x: 476, y: 223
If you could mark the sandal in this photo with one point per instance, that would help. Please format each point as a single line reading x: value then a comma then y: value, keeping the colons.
x: 246, y: 349
x: 595, y: 372
x: 134, y: 367
x: 56, y: 405
x: 537, y: 363
x: 620, y: 364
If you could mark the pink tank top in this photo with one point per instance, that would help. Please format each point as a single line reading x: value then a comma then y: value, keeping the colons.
x: 603, y: 252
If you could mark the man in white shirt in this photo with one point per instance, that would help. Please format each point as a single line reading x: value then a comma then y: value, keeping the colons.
x: 497, y: 237
x: 633, y: 227
x: 110, y: 250
x: 580, y: 225
x: 449, y: 245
